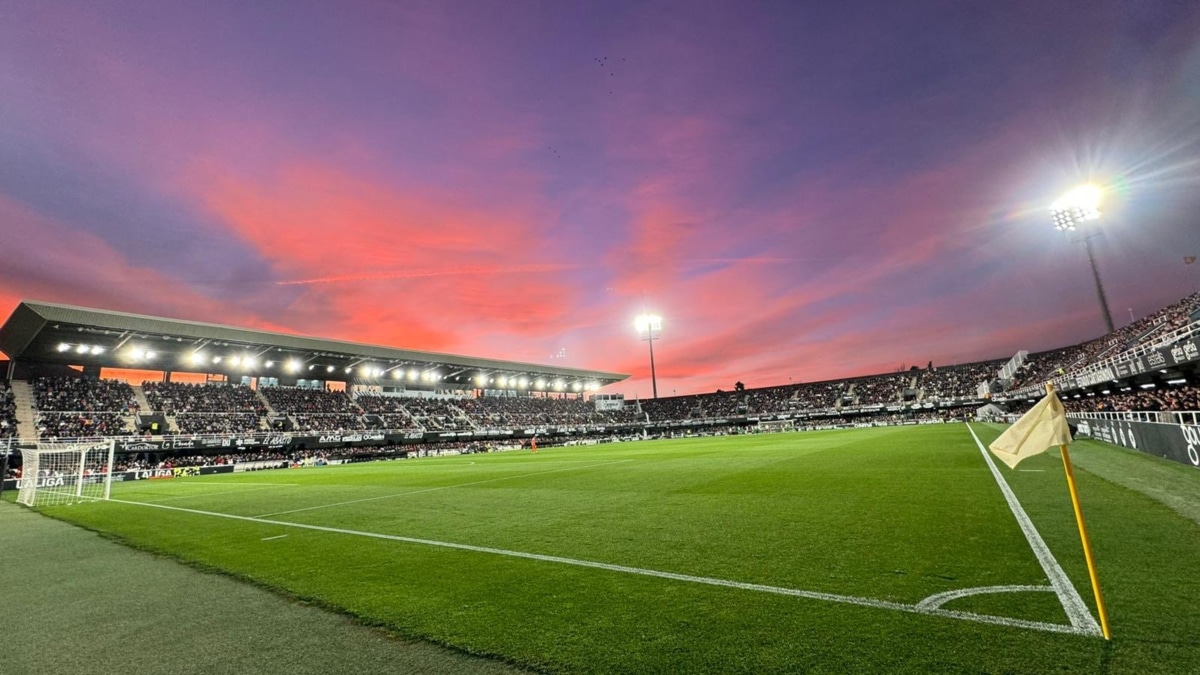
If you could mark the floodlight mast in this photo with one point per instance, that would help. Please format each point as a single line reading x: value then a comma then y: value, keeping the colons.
x: 1069, y: 213
x: 647, y: 326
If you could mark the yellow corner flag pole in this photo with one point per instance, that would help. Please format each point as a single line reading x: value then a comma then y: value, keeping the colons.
x: 1083, y: 535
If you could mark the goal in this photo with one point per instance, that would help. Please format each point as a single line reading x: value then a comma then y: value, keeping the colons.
x: 776, y: 425
x: 65, y: 473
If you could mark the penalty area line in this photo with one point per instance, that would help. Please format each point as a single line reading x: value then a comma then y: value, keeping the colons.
x: 929, y: 607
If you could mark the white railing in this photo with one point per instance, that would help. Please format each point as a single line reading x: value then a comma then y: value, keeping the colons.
x: 1153, y: 416
x: 1010, y: 368
x: 1165, y: 340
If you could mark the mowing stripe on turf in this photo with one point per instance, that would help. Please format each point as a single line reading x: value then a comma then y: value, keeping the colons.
x: 199, y: 495
x: 440, y: 487
x: 919, y: 608
x: 1080, y: 616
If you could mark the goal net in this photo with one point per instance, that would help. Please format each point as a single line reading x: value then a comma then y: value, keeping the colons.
x: 776, y: 425
x: 60, y: 473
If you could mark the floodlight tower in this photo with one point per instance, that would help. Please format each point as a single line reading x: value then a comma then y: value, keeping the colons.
x: 648, y: 327
x: 1070, y: 213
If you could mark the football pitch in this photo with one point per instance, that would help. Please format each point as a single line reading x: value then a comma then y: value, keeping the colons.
x: 866, y: 550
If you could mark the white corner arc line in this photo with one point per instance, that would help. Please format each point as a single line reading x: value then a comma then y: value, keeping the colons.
x: 440, y: 487
x: 1080, y: 616
x: 674, y: 576
x: 938, y: 599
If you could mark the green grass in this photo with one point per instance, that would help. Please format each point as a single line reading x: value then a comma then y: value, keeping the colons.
x: 891, y: 514
x: 77, y: 603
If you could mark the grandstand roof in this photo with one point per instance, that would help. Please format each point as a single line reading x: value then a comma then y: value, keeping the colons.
x: 53, y: 333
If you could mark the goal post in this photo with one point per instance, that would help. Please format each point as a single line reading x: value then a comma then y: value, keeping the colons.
x: 54, y: 474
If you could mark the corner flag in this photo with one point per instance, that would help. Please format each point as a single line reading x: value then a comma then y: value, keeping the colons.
x: 1043, y: 427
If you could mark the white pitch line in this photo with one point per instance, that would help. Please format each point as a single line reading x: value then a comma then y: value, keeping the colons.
x: 937, y: 600
x: 673, y: 576
x: 440, y: 487
x: 1078, y: 612
x: 278, y: 536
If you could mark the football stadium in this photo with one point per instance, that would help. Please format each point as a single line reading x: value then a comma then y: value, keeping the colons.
x: 634, y: 337
x: 516, y: 512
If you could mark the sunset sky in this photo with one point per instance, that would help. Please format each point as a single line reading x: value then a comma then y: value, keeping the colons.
x: 803, y: 190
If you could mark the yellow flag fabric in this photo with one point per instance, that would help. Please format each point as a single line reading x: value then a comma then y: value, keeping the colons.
x: 1043, y: 427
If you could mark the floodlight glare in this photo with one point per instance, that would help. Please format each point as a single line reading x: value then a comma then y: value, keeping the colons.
x: 412, y: 374
x: 294, y: 365
x: 62, y: 347
x: 96, y: 350
x: 150, y: 355
x: 396, y: 374
x: 237, y: 361
x: 137, y: 353
x: 196, y: 358
x: 575, y: 386
x: 269, y: 364
x: 647, y: 326
x: 480, y: 379
x: 329, y: 369
x: 540, y: 384
x: 216, y: 359
x: 647, y: 322
x: 523, y: 382
x: 82, y: 349
x: 248, y: 362
x: 1071, y: 211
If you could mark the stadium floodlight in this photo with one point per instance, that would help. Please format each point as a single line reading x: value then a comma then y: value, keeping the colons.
x: 96, y: 350
x: 137, y: 353
x: 575, y: 386
x: 396, y: 374
x: 480, y: 380
x: 1069, y: 213
x: 216, y: 359
x: 237, y: 360
x: 82, y: 349
x: 196, y: 358
x: 293, y: 365
x: 149, y: 355
x: 329, y: 369
x: 648, y: 327
x: 412, y: 374
x: 269, y: 364
x: 248, y: 362
x: 523, y: 382
x: 540, y: 384
x: 558, y: 385
x: 64, y: 347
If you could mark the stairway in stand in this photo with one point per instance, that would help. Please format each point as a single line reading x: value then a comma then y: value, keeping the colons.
x: 26, y: 413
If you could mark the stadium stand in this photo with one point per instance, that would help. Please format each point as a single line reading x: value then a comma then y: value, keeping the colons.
x: 880, y: 390
x: 79, y: 407
x: 173, y: 398
x: 388, y: 412
x: 82, y: 407
x: 8, y: 412
x: 316, y: 409
x: 960, y: 381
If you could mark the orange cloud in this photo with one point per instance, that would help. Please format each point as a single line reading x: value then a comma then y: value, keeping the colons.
x: 372, y: 263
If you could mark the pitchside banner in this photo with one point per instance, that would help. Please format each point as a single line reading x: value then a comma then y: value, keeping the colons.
x: 1176, y: 442
x: 122, y: 476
